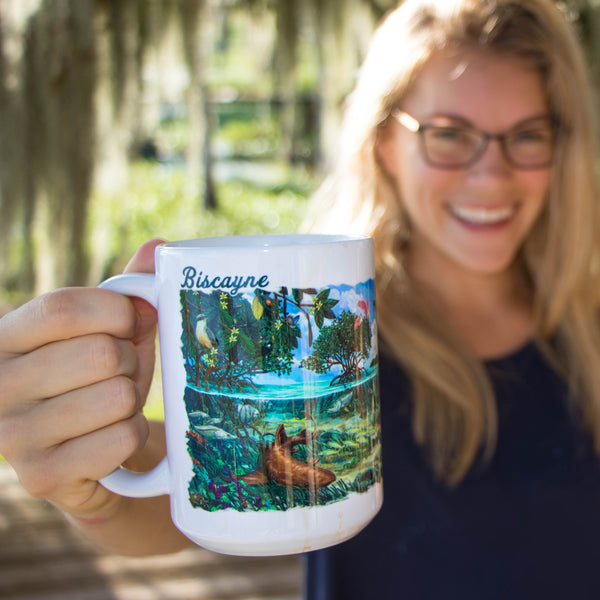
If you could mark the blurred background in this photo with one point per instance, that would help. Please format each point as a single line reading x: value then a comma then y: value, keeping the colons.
x: 121, y: 120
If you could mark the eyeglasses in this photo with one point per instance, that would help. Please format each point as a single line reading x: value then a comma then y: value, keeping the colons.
x: 530, y: 145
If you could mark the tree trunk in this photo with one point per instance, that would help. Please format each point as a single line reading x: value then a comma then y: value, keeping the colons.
x: 16, y: 261
x: 116, y: 116
x: 339, y: 56
x: 60, y: 85
x: 285, y: 59
x: 195, y: 15
x: 588, y: 16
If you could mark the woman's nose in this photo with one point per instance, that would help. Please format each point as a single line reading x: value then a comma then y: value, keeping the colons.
x: 492, y: 162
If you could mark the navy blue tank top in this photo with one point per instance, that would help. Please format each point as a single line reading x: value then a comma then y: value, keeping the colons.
x: 525, y: 527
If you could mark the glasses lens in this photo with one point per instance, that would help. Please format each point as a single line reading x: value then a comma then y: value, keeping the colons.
x: 530, y: 147
x: 458, y: 147
x: 451, y: 146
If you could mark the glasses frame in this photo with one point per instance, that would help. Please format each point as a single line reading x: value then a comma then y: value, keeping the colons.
x: 414, y: 126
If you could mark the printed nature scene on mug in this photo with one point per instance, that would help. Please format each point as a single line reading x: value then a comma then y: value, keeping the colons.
x: 282, y: 396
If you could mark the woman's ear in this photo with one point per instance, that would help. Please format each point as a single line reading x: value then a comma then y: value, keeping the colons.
x: 386, y: 146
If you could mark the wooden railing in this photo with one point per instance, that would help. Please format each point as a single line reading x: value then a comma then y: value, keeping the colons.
x: 43, y: 558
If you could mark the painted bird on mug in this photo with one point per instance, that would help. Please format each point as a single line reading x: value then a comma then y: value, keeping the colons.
x: 204, y: 335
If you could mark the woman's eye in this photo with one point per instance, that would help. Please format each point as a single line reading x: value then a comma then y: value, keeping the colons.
x: 534, y: 136
x: 448, y: 134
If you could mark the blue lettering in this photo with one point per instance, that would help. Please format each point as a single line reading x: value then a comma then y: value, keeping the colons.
x: 189, y: 273
x: 192, y: 279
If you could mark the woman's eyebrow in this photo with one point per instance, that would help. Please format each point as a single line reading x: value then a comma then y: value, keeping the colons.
x: 454, y: 119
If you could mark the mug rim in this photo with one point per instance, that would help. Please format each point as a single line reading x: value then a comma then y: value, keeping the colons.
x: 263, y: 241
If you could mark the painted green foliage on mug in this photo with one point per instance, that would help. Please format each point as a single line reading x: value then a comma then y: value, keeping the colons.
x: 345, y: 343
x: 228, y: 339
x: 256, y: 444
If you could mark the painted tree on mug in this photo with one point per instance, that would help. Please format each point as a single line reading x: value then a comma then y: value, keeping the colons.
x: 227, y: 339
x: 345, y: 344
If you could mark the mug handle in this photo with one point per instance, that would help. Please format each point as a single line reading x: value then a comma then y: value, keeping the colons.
x: 122, y: 481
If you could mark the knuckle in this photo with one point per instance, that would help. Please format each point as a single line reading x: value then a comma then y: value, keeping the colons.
x: 106, y: 355
x: 123, y: 317
x: 57, y: 307
x: 130, y: 435
x: 123, y: 398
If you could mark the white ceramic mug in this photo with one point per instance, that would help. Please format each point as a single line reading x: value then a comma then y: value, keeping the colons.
x: 269, y: 365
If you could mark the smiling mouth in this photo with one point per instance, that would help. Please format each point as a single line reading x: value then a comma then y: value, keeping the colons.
x: 479, y: 215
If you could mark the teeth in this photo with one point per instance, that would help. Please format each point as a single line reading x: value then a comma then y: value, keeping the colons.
x: 482, y: 216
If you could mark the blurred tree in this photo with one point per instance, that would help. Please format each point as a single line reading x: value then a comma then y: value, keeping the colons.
x: 16, y: 262
x: 70, y: 108
x: 586, y: 14
x: 121, y: 37
x: 82, y: 83
x: 119, y: 47
x: 60, y: 75
x: 195, y: 16
x: 343, y: 28
x: 286, y: 84
x: 339, y: 57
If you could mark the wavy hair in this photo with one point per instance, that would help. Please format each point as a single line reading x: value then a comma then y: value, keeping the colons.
x: 454, y: 410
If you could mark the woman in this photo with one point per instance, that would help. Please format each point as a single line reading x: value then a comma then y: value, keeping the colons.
x: 468, y: 154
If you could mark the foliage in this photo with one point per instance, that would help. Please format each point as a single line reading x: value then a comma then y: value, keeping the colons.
x: 252, y: 129
x: 229, y: 356
x: 256, y: 138
x: 345, y: 343
x: 227, y: 339
x: 160, y: 204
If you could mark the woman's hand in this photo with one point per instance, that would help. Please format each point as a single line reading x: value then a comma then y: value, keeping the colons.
x: 75, y: 368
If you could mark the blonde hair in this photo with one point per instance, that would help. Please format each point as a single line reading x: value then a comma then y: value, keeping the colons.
x: 454, y: 410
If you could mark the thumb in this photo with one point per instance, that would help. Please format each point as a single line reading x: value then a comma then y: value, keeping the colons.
x: 143, y: 259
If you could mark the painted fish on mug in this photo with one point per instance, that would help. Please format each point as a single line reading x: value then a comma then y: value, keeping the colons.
x: 280, y: 467
x: 340, y: 403
x: 213, y: 432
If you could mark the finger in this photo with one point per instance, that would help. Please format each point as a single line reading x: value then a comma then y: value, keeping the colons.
x: 61, y: 473
x: 42, y: 425
x: 65, y: 314
x: 143, y: 259
x: 59, y: 367
x: 97, y: 454
x: 80, y: 412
